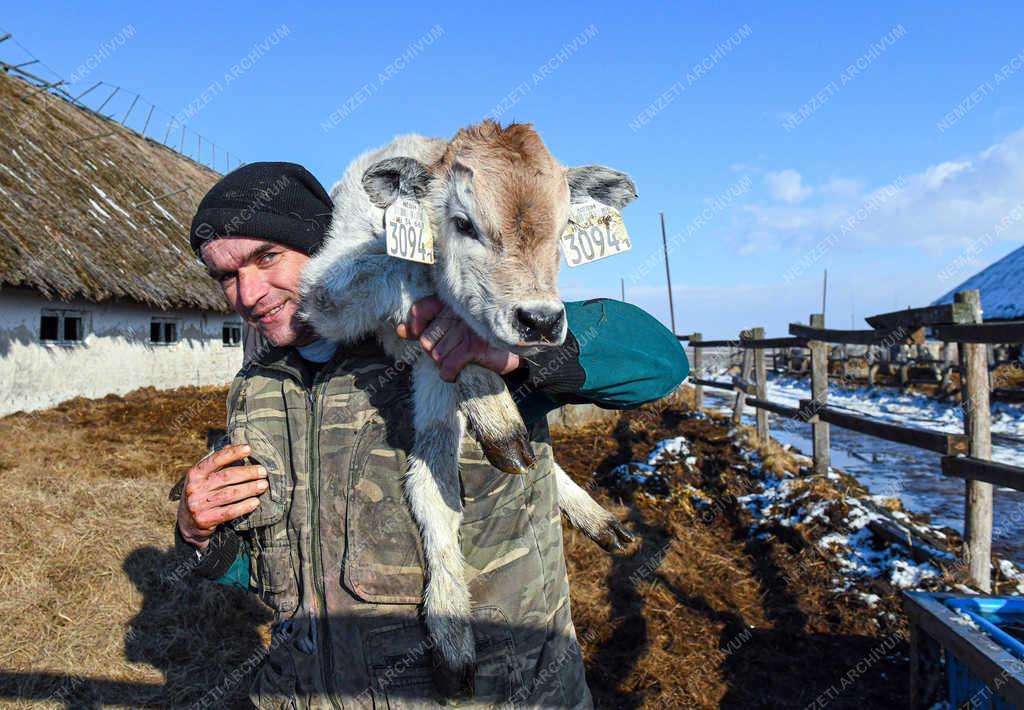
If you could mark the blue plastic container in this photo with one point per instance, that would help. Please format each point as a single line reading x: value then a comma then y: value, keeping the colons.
x: 993, y: 615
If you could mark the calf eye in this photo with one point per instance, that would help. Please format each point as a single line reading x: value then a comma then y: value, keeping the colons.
x: 464, y: 226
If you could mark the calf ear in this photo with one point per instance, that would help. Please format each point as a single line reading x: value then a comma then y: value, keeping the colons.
x: 390, y: 179
x: 605, y: 185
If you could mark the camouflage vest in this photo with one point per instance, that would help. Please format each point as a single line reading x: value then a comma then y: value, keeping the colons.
x: 335, y: 553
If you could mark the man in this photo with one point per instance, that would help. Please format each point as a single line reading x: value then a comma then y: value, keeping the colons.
x: 305, y: 505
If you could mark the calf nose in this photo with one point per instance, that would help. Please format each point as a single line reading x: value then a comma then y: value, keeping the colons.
x: 540, y: 323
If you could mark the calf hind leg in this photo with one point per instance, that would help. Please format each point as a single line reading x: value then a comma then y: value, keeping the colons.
x: 433, y: 492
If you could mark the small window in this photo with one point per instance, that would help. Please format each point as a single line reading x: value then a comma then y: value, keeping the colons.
x: 72, y: 328
x: 62, y: 327
x: 163, y: 331
x: 232, y: 334
x: 49, y: 328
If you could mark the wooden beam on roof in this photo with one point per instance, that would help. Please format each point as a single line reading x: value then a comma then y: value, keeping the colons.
x: 946, y: 314
x: 1005, y: 332
x: 893, y: 336
x: 769, y: 343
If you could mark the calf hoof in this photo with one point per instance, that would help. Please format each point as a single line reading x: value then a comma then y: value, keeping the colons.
x: 512, y: 455
x: 453, y: 683
x: 614, y: 537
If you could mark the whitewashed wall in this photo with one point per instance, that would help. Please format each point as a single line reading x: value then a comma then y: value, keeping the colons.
x: 116, y: 356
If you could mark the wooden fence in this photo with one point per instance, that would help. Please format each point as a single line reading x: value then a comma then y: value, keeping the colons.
x: 967, y: 456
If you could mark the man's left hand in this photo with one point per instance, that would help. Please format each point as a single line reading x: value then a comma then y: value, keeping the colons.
x: 450, y: 342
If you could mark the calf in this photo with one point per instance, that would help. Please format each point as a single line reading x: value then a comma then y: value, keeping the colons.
x: 496, y: 202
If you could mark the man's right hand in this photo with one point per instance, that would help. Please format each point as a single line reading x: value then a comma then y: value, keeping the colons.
x: 217, y: 491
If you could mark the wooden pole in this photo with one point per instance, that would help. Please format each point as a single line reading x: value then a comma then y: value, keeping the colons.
x: 622, y: 289
x: 824, y: 297
x: 741, y: 394
x: 761, y: 378
x: 819, y: 397
x: 98, y: 83
x: 134, y: 101
x: 107, y: 100
x: 698, y: 370
x: 978, y: 428
x: 668, y: 276
x: 148, y: 116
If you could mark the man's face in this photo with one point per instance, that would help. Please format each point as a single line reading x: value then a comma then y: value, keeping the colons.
x: 260, y: 279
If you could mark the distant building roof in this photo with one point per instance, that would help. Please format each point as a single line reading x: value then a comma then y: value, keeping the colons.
x: 1001, y: 286
x: 91, y: 209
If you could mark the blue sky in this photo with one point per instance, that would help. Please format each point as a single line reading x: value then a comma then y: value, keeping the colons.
x: 880, y: 177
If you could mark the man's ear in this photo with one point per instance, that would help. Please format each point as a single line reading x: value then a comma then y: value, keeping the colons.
x: 389, y: 179
x: 605, y: 185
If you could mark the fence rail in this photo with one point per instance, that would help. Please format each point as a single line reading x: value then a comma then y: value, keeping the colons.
x: 966, y: 456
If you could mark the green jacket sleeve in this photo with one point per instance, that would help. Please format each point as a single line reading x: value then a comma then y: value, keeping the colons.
x: 615, y: 355
x: 224, y: 561
x: 238, y: 573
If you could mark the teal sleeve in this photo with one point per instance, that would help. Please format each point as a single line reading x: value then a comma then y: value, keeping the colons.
x: 238, y: 574
x: 616, y: 356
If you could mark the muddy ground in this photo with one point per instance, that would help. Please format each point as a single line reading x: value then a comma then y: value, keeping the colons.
x: 696, y: 614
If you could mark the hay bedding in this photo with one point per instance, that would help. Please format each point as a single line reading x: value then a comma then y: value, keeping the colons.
x: 699, y: 613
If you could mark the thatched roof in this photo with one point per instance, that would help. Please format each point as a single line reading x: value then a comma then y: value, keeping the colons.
x: 78, y: 216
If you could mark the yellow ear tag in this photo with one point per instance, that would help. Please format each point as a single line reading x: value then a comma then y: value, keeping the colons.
x: 407, y: 231
x: 595, y: 231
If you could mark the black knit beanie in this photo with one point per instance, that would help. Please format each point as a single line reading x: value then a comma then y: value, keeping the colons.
x: 281, y: 202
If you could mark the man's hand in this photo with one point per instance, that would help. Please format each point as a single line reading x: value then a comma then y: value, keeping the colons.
x: 216, y: 492
x: 450, y: 342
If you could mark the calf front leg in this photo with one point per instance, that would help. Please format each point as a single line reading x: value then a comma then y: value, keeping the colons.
x: 492, y: 414
x: 584, y: 513
x: 433, y: 493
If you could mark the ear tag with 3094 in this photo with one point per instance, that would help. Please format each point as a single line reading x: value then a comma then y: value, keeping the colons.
x: 595, y: 231
x: 407, y: 231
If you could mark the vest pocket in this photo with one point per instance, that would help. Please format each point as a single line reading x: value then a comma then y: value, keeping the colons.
x: 276, y: 582
x: 383, y: 560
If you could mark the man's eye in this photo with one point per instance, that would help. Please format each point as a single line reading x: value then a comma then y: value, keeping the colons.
x: 268, y: 258
x: 463, y: 226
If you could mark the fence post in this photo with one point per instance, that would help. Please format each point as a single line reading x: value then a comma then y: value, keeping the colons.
x: 761, y: 379
x: 978, y: 427
x: 744, y: 378
x: 698, y: 369
x: 819, y: 396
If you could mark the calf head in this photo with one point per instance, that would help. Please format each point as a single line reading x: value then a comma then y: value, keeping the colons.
x: 498, y: 203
